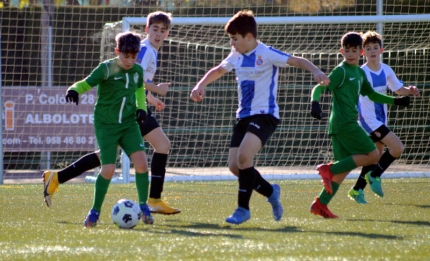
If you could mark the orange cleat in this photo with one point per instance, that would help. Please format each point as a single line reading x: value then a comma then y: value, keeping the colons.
x: 320, y: 209
x: 326, y: 175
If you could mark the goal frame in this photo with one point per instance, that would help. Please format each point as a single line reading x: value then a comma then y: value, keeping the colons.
x: 378, y: 19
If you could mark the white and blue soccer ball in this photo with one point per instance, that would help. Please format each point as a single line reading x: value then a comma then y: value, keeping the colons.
x: 126, y: 213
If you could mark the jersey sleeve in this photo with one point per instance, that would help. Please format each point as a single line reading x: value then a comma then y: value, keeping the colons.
x: 278, y: 58
x: 144, y: 59
x: 337, y: 77
x: 227, y: 63
x: 99, y: 74
x: 141, y: 92
x: 394, y: 84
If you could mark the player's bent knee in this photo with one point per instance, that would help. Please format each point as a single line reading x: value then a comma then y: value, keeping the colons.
x: 397, y: 151
x: 243, y: 159
x: 373, y: 157
x: 234, y: 170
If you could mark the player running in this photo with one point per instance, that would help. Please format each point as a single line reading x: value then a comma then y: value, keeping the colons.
x: 157, y: 30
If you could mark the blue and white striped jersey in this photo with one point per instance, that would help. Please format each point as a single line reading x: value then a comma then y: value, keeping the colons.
x: 257, y: 77
x: 372, y: 114
x: 147, y: 58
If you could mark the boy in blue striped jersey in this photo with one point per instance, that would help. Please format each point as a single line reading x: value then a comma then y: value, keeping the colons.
x: 257, y: 68
x: 351, y: 146
x: 373, y: 116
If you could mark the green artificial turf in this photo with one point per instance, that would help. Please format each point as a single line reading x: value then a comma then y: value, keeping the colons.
x: 396, y: 227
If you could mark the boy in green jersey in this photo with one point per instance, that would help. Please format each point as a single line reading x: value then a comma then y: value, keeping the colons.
x: 157, y: 30
x: 121, y: 99
x: 351, y: 145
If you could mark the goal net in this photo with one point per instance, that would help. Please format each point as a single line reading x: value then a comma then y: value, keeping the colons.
x: 49, y: 45
x: 200, y: 132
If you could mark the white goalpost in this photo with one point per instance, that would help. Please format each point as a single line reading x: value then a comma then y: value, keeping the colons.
x: 200, y: 132
x: 41, y: 131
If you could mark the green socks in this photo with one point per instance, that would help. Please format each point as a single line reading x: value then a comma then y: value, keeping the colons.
x: 344, y: 165
x: 100, y: 189
x: 142, y: 187
x: 324, y: 197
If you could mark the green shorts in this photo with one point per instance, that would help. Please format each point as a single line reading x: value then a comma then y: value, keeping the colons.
x: 110, y: 137
x: 354, y: 141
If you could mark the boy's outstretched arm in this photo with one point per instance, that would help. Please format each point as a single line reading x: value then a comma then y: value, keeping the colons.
x: 411, y: 90
x: 368, y: 91
x: 161, y: 88
x: 198, y: 92
x: 381, y: 98
x: 305, y: 64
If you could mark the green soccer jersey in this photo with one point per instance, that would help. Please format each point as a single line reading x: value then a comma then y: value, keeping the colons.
x: 347, y: 82
x: 116, y: 92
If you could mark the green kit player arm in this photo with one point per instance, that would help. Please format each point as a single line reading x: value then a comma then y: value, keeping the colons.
x: 141, y: 111
x: 368, y: 91
x: 336, y: 79
x: 97, y: 75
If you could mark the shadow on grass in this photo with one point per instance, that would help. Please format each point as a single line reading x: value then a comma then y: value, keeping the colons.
x: 192, y: 229
x: 183, y: 229
x: 416, y: 223
x: 286, y: 229
x: 359, y: 234
x: 409, y: 205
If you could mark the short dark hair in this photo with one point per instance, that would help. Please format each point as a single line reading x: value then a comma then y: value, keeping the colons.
x: 242, y: 23
x: 128, y: 42
x: 159, y: 17
x: 352, y: 39
x: 372, y: 37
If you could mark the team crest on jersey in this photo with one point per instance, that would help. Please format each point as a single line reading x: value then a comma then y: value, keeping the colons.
x: 259, y: 61
x: 136, y: 77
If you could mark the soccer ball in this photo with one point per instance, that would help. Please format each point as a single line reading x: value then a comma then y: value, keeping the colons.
x: 126, y: 213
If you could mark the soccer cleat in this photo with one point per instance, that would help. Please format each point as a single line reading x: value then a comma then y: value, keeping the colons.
x: 326, y: 175
x: 320, y: 209
x: 50, y: 180
x: 146, y: 214
x: 91, y: 219
x: 275, y: 201
x: 357, y: 195
x: 158, y: 206
x: 375, y: 184
x: 239, y: 216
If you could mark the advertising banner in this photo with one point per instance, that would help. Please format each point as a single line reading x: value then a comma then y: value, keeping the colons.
x: 39, y: 119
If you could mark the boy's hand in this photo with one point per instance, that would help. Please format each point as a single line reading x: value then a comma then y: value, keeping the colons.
x: 402, y: 101
x: 159, y: 105
x: 316, y: 111
x: 72, y: 96
x: 414, y: 91
x: 141, y: 116
x: 163, y: 88
x: 197, y: 94
x: 321, y: 79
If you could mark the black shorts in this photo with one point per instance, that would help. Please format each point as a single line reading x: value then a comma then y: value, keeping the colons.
x: 262, y: 125
x: 149, y: 125
x: 379, y: 133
